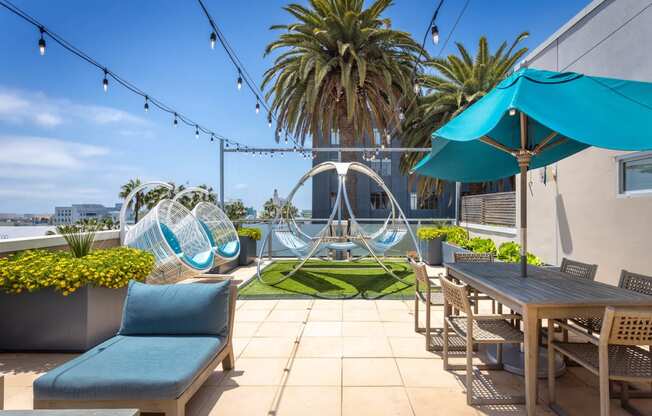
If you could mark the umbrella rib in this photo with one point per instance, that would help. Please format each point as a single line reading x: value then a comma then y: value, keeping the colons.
x: 553, y: 144
x: 491, y: 142
x: 538, y: 148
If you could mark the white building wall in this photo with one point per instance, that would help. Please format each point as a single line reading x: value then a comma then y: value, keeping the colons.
x: 578, y: 212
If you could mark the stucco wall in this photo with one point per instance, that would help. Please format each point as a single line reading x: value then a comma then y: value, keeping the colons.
x: 577, y: 213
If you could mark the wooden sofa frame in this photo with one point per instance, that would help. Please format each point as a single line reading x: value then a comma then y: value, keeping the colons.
x: 172, y: 407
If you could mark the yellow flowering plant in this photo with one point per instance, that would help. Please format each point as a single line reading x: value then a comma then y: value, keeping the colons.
x: 33, y: 270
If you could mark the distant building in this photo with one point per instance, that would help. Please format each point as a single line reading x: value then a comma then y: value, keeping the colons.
x: 77, y: 212
x: 306, y: 213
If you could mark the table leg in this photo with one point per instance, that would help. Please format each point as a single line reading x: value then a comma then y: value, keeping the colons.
x: 531, y: 344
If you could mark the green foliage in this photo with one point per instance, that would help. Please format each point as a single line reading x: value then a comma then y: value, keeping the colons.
x: 430, y: 233
x: 511, y: 252
x: 236, y: 210
x: 80, y: 237
x: 481, y: 245
x: 270, y: 210
x: 251, y: 232
x: 452, y: 234
x: 33, y: 270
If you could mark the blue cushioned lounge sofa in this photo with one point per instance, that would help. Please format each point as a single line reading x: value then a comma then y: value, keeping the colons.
x: 171, y: 339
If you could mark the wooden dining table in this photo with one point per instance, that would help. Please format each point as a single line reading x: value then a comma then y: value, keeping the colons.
x: 546, y: 293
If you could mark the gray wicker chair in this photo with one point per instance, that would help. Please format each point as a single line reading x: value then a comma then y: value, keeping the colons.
x: 615, y: 356
x: 477, y: 258
x: 635, y: 282
x: 476, y: 329
x: 578, y: 269
x: 423, y: 293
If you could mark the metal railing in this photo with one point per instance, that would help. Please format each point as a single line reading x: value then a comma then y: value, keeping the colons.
x: 490, y: 209
x: 311, y: 226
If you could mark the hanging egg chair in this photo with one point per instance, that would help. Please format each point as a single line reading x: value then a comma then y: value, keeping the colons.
x: 219, y: 228
x: 180, y: 245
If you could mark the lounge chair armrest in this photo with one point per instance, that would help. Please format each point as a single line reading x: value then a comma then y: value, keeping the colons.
x: 578, y: 332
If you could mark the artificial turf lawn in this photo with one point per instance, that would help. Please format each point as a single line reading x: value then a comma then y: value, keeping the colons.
x: 328, y: 279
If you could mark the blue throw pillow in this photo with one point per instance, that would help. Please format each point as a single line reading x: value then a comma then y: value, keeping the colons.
x: 182, y: 309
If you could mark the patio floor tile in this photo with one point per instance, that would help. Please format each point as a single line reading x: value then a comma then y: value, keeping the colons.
x: 315, y: 372
x: 370, y: 372
x: 313, y: 401
x: 375, y: 401
x: 396, y: 316
x: 410, y: 347
x: 288, y: 315
x: 418, y: 372
x: 432, y: 401
x: 360, y: 315
x: 279, y: 329
x: 366, y: 347
x: 251, y: 315
x: 238, y: 401
x: 326, y: 304
x: 262, y: 304
x: 269, y: 347
x: 392, y: 305
x: 317, y: 315
x: 363, y: 329
x: 320, y: 347
x: 323, y: 329
x: 294, y: 304
x: 357, y: 304
x: 239, y: 344
x: 255, y: 372
x: 401, y: 329
x: 245, y: 329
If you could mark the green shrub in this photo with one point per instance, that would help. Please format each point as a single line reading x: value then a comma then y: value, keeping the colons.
x: 457, y: 236
x: 511, y: 252
x: 32, y: 270
x: 481, y: 245
x: 253, y: 233
x: 430, y: 233
x: 452, y: 234
x: 80, y: 237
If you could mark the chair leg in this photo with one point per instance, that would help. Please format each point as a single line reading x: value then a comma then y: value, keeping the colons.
x: 428, y: 320
x: 552, y: 399
x: 604, y: 390
x: 229, y: 361
x: 416, y: 310
x: 444, y: 352
x: 469, y: 370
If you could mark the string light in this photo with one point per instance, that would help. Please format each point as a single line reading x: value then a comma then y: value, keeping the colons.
x: 41, y: 42
x: 196, y: 131
x: 105, y: 81
x: 239, y: 80
x: 176, y: 122
x: 512, y: 112
x: 146, y: 106
x: 434, y: 32
x: 213, y: 39
x: 269, y: 120
x: 212, y: 137
x: 257, y: 107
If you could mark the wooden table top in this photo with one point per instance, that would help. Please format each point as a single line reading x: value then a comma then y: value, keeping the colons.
x: 543, y: 286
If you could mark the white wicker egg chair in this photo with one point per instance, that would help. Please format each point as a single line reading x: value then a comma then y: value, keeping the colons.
x: 221, y: 232
x: 169, y: 231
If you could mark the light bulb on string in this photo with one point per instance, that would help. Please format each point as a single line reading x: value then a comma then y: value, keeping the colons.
x: 175, y: 122
x: 239, y: 80
x: 434, y: 32
x: 105, y: 81
x: 212, y: 138
x: 146, y: 106
x: 269, y: 120
x: 196, y: 132
x: 257, y: 107
x: 213, y: 39
x: 41, y: 42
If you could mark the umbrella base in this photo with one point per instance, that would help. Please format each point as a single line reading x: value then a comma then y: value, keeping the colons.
x: 514, y: 363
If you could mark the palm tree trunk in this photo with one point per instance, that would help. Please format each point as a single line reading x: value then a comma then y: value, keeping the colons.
x: 347, y: 139
x: 137, y: 208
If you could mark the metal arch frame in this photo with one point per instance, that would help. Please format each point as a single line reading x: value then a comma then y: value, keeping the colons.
x: 123, y: 209
x: 342, y: 170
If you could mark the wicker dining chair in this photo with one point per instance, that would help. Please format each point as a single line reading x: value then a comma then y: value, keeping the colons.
x: 578, y: 269
x: 477, y: 258
x: 615, y: 356
x: 423, y: 294
x: 476, y: 329
x: 635, y: 282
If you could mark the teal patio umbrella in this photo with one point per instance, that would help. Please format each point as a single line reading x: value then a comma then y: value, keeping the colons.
x: 534, y: 118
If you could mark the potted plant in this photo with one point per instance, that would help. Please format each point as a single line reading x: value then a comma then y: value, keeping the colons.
x: 249, y: 237
x: 66, y: 300
x: 431, y: 238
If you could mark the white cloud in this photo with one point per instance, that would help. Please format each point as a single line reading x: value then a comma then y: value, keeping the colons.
x: 28, y: 152
x: 24, y: 107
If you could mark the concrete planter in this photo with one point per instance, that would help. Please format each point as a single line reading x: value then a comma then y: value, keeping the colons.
x: 248, y: 250
x: 448, y: 251
x: 431, y: 250
x: 48, y: 321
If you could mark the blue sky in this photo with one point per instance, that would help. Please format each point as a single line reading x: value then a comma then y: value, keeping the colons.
x: 63, y: 140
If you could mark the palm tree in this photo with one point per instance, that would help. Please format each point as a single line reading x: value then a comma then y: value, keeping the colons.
x: 342, y: 69
x: 154, y: 196
x: 137, y: 202
x: 453, y: 84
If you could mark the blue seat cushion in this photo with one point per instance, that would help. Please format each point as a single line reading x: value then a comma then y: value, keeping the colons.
x: 200, y: 261
x: 131, y: 368
x: 208, y: 232
x: 171, y: 239
x: 182, y: 309
x: 230, y: 249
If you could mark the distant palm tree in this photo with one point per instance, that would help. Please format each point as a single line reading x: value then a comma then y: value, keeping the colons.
x: 137, y: 201
x: 342, y: 69
x: 457, y: 82
x: 156, y: 195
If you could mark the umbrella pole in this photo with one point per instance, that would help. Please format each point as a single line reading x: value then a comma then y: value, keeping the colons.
x: 524, y: 156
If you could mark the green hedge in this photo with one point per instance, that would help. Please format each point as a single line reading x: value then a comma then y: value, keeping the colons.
x: 32, y: 270
x: 253, y: 233
x: 508, y: 252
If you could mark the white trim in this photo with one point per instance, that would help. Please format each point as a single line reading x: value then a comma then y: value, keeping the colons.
x: 48, y: 241
x: 495, y: 229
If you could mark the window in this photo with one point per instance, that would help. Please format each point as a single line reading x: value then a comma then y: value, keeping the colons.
x: 413, y: 201
x: 335, y: 137
x: 379, y: 200
x: 383, y: 166
x: 635, y: 174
